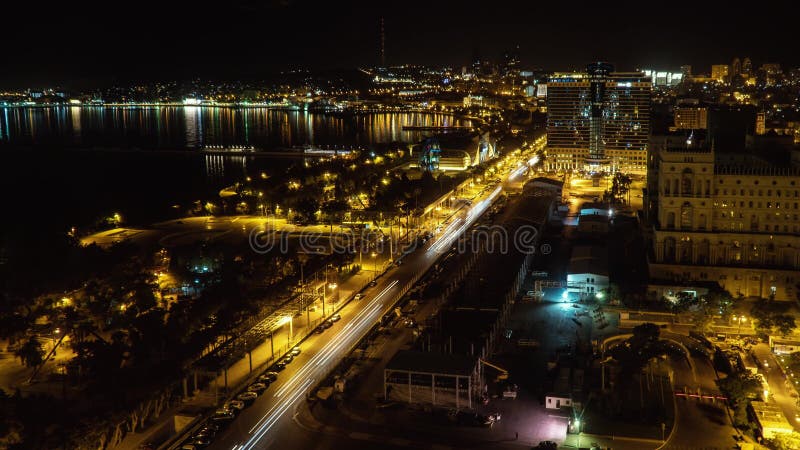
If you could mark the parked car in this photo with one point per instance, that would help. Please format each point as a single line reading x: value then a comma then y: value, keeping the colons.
x: 201, y: 441
x: 234, y: 405
x: 247, y: 397
x: 358, y: 296
x: 224, y: 410
x: 223, y: 417
x: 205, y: 432
x: 373, y: 283
x: 327, y: 324
x: 267, y: 378
x: 257, y: 387
x: 280, y: 365
x: 335, y: 318
x: 271, y: 375
x: 295, y: 351
x: 320, y: 328
x: 212, y: 426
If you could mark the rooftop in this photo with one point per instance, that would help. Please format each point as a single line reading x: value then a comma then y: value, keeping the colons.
x: 589, y: 259
x: 438, y: 363
x: 770, y: 415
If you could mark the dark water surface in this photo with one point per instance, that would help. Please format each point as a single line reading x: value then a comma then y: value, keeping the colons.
x: 70, y: 165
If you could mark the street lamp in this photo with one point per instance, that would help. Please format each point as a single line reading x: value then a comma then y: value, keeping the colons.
x: 332, y: 287
x: 288, y: 319
x: 740, y: 319
x: 374, y: 264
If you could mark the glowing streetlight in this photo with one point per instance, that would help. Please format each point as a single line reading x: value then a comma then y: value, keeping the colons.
x: 740, y: 319
x: 288, y: 319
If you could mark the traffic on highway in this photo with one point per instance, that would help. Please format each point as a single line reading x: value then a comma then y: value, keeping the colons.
x: 269, y: 406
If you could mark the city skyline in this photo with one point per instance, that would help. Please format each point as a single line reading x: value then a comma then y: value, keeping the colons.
x: 249, y: 40
x: 304, y: 225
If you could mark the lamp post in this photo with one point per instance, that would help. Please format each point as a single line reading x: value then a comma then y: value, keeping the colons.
x: 374, y: 265
x: 324, y: 288
x: 740, y: 319
x: 291, y: 330
x: 332, y: 287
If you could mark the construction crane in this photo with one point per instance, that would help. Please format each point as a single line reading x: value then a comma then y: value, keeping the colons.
x: 503, y: 373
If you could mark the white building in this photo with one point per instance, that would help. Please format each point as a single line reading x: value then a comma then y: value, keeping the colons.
x: 588, y: 270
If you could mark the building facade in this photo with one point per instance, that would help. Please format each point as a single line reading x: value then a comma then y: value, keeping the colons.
x: 691, y: 118
x: 598, y: 120
x: 733, y: 223
x: 719, y: 72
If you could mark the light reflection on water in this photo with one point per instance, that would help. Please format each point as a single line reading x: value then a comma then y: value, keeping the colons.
x: 192, y: 127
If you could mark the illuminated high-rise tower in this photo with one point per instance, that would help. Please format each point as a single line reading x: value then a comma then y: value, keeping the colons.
x: 598, y: 120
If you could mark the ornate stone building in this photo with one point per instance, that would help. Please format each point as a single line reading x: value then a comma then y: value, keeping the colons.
x: 733, y: 220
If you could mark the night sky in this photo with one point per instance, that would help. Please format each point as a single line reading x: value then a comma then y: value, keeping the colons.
x: 72, y: 44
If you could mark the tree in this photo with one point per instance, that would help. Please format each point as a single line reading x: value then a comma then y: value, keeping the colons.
x: 636, y: 351
x: 769, y: 315
x: 740, y: 388
x: 785, y: 441
x: 785, y: 324
x: 30, y: 353
x: 11, y: 429
x: 307, y: 208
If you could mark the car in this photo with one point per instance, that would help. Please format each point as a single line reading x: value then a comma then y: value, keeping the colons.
x: 257, y: 387
x: 373, y: 283
x: 223, y: 411
x: 399, y: 262
x: 280, y: 365
x: 295, y: 351
x: 234, y: 405
x: 320, y: 329
x: 358, y: 296
x: 268, y: 377
x: 222, y: 418
x: 288, y: 359
x: 201, y: 441
x: 212, y: 426
x: 327, y: 324
x: 546, y: 445
x: 247, y: 397
x: 189, y: 445
x: 335, y: 318
x: 205, y: 432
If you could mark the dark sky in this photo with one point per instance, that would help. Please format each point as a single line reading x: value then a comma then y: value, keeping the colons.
x: 73, y: 44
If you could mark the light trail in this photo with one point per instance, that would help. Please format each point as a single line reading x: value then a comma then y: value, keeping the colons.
x: 281, y: 409
x: 327, y: 349
x: 312, y: 369
x: 348, y: 335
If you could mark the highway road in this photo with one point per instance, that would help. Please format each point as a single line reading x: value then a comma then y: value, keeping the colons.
x: 259, y: 425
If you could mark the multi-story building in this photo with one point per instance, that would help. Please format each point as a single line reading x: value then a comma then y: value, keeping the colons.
x: 719, y: 72
x: 723, y: 218
x: 747, y: 67
x: 691, y: 118
x: 598, y: 120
